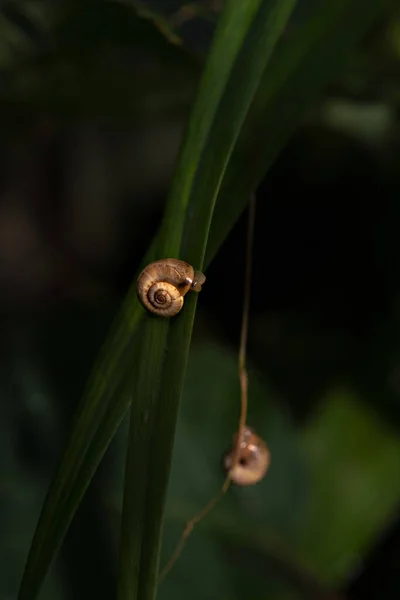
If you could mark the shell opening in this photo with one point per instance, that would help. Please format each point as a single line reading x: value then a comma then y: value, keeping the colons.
x: 253, y: 460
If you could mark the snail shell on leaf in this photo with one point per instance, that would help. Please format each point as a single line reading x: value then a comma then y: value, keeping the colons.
x: 253, y: 459
x: 162, y: 285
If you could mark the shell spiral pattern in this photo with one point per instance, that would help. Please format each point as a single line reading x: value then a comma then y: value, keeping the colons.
x: 162, y: 285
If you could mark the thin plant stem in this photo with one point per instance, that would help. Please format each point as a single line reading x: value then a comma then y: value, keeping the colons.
x: 243, y: 377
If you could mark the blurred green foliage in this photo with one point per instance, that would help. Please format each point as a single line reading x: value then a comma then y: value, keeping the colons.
x: 333, y: 484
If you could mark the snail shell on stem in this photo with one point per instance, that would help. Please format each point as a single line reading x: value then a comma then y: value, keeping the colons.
x: 252, y: 462
x: 162, y: 285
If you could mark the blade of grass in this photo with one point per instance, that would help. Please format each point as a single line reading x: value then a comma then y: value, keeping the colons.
x: 314, y: 52
x: 233, y: 25
x: 161, y: 376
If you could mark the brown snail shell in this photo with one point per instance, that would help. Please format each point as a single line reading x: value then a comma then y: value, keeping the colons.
x: 162, y: 285
x: 253, y: 459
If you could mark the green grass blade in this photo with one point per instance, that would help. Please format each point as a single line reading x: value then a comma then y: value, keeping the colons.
x: 231, y: 29
x: 298, y: 69
x: 161, y: 372
x: 304, y: 62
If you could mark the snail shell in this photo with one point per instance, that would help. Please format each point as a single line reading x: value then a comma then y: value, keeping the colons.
x: 253, y: 459
x: 162, y: 285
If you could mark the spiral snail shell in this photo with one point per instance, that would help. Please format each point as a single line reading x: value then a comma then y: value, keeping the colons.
x: 253, y: 459
x: 162, y: 285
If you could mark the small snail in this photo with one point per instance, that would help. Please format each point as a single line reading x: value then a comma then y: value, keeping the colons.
x: 253, y: 459
x: 162, y: 285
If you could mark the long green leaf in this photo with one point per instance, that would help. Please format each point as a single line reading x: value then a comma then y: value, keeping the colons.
x: 232, y: 27
x: 313, y: 52
x: 161, y: 373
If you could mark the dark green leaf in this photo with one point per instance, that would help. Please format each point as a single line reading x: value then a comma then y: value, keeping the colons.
x: 354, y: 459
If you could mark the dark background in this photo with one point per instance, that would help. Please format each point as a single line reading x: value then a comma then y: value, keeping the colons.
x: 92, y: 105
